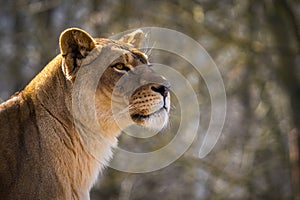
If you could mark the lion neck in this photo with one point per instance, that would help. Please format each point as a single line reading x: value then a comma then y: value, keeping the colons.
x: 51, y: 90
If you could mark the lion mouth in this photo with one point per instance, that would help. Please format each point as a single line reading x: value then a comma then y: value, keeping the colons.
x: 139, y: 117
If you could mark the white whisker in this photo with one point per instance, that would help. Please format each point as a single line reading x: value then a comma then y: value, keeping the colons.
x: 149, y: 50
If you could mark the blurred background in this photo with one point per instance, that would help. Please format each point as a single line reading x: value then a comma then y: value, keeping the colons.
x: 255, y: 45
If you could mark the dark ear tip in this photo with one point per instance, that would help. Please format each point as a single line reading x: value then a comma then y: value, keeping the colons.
x: 76, y: 36
x: 75, y: 44
x: 135, y: 38
x: 72, y: 31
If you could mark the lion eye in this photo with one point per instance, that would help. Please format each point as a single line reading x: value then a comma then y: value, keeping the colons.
x: 121, y: 67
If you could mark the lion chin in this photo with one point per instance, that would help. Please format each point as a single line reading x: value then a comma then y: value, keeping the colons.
x: 155, y: 121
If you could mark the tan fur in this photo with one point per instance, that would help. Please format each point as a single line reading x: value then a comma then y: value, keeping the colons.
x: 42, y: 154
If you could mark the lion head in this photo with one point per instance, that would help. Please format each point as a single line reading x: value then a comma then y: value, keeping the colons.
x: 128, y: 91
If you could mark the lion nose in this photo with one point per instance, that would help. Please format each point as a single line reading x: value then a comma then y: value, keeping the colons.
x: 162, y: 89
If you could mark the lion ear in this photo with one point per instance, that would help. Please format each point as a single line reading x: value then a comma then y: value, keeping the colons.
x: 75, y: 44
x: 134, y: 39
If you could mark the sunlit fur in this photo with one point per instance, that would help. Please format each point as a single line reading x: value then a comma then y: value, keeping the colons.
x: 46, y: 152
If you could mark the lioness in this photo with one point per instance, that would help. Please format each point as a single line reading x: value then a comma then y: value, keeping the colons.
x: 43, y: 155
